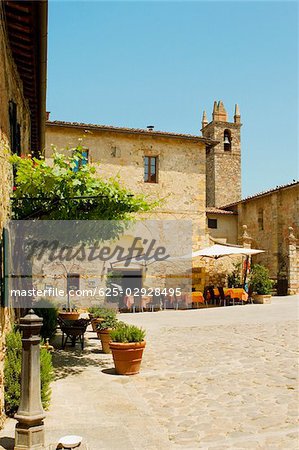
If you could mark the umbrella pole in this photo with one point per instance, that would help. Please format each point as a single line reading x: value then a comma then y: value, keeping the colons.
x: 245, y: 272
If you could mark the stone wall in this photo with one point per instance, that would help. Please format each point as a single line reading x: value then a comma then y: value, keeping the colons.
x: 293, y: 268
x: 10, y: 89
x: 268, y: 218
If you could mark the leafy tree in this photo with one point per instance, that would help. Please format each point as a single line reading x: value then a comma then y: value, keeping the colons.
x: 46, y: 309
x: 57, y: 191
x: 234, y: 278
x: 260, y: 280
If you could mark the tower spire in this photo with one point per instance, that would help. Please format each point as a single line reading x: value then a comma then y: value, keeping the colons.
x: 204, y: 121
x: 237, y: 116
x: 219, y: 112
x: 215, y: 109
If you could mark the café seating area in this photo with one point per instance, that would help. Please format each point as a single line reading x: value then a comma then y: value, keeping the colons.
x: 210, y: 297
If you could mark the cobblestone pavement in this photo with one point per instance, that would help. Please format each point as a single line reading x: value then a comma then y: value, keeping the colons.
x: 221, y: 378
x: 219, y: 385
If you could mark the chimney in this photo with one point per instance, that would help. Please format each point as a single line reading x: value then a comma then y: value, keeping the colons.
x: 48, y: 115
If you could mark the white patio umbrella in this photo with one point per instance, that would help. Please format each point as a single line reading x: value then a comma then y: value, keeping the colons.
x: 217, y: 251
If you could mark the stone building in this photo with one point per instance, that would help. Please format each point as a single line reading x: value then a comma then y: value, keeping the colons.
x: 168, y: 166
x: 23, y: 55
x: 272, y: 218
x: 191, y: 173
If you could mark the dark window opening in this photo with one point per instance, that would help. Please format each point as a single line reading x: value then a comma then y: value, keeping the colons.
x: 15, y: 129
x: 227, y: 140
x: 150, y: 169
x: 73, y: 281
x: 260, y: 219
x: 82, y: 159
x: 212, y: 223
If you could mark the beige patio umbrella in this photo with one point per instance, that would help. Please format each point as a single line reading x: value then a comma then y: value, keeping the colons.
x: 217, y: 251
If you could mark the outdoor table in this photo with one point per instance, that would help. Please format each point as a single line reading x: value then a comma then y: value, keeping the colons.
x: 237, y: 293
x: 197, y: 298
x: 216, y: 294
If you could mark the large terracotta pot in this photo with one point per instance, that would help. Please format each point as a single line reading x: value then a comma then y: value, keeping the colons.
x: 95, y: 322
x: 127, y: 357
x: 104, y: 335
x: 71, y: 315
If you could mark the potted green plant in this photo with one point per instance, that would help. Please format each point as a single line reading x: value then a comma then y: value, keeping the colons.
x: 127, y: 345
x: 97, y: 314
x: 261, y: 284
x: 104, y: 329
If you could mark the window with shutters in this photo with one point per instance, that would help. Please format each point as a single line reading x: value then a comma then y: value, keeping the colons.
x: 151, y: 169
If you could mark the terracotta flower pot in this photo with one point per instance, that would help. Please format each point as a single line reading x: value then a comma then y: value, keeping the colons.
x: 127, y: 357
x: 104, y: 335
x: 95, y: 322
x: 71, y: 315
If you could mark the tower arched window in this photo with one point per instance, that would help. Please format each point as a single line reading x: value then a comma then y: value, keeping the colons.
x: 227, y: 140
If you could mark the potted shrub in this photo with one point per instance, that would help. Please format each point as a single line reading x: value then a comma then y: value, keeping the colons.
x: 127, y: 345
x: 97, y: 314
x: 105, y: 328
x: 261, y: 284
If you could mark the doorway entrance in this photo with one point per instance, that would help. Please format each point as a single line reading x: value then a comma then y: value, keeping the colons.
x: 129, y: 281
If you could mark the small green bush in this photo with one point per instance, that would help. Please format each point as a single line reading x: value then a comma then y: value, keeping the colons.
x: 44, y: 308
x: 234, y: 278
x: 46, y: 377
x: 127, y: 333
x: 12, y: 373
x: 101, y: 311
x: 260, y: 281
x: 110, y: 321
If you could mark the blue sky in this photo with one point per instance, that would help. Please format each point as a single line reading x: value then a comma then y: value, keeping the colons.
x: 139, y: 63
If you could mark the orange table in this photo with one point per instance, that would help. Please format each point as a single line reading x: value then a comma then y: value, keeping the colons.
x: 233, y: 293
x: 238, y: 293
x: 197, y: 297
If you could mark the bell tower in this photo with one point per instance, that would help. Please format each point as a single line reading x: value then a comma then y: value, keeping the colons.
x: 223, y: 161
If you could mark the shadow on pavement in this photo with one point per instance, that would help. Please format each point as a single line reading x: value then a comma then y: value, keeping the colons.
x: 110, y: 371
x: 7, y: 443
x: 72, y: 360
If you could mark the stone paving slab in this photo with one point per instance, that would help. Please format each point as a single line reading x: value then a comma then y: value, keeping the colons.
x: 221, y: 378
